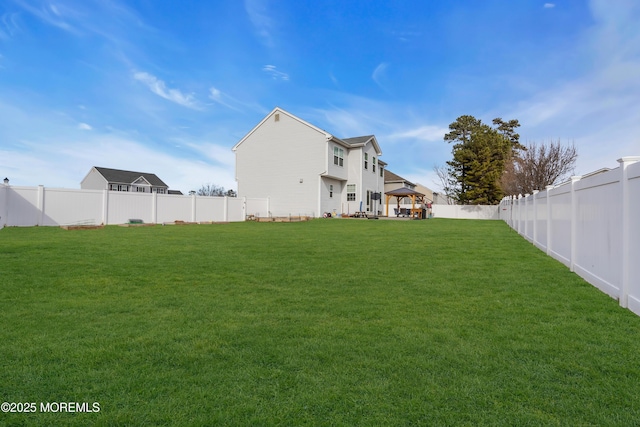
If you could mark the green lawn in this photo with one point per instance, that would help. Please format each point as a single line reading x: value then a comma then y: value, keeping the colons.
x: 328, y: 322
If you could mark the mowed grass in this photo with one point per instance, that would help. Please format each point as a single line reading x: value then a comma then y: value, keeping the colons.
x: 329, y: 322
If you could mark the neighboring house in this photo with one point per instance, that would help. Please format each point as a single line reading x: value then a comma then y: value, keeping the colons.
x: 119, y: 180
x: 393, y: 182
x: 304, y: 170
x: 428, y: 193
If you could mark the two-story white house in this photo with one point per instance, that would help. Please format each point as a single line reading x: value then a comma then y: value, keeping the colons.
x: 304, y: 170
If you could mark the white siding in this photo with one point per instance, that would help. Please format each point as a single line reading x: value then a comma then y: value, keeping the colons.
x: 93, y: 181
x: 371, y: 181
x: 331, y: 204
x: 283, y: 161
x: 337, y: 171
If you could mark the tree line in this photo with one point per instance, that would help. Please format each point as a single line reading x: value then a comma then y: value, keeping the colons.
x: 489, y: 162
x: 214, y: 191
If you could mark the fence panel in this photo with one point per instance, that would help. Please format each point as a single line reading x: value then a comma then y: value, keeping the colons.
x: 172, y: 207
x: 540, y: 224
x: 598, y: 228
x: 24, y: 206
x: 591, y: 225
x: 257, y: 207
x: 466, y: 211
x: 67, y: 206
x: 211, y: 209
x: 236, y: 209
x: 124, y: 206
x: 560, y: 222
x: 4, y: 208
x: 632, y: 236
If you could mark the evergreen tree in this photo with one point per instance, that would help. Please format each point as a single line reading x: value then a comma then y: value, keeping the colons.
x: 480, y: 153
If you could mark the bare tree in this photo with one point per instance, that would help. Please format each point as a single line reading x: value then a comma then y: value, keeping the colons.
x: 538, y: 166
x: 211, y: 190
x: 446, y: 183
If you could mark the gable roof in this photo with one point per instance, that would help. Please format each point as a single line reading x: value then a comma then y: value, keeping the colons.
x: 358, y: 141
x: 128, y: 177
x: 361, y: 141
x: 403, y: 192
x: 390, y: 177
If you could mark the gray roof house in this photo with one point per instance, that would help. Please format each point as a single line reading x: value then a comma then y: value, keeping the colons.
x: 120, y: 180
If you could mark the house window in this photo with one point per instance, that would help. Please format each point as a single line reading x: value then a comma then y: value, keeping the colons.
x: 366, y: 160
x: 158, y: 190
x: 330, y: 190
x: 140, y: 189
x: 351, y: 192
x: 123, y: 187
x: 338, y: 156
x: 373, y: 165
x: 381, y: 172
x: 113, y: 187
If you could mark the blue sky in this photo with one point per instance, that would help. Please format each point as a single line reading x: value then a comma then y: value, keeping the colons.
x: 169, y: 87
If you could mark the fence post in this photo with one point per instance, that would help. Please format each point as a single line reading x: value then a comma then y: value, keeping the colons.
x: 40, y: 205
x: 548, y: 225
x: 535, y: 216
x: 193, y: 207
x: 574, y: 222
x: 154, y: 208
x: 526, y: 216
x: 626, y: 215
x: 225, y: 218
x: 519, y: 214
x: 105, y: 207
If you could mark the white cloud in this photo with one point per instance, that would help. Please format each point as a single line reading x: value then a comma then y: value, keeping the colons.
x: 423, y: 133
x: 223, y: 99
x: 549, y: 5
x: 45, y: 148
x: 275, y: 73
x: 379, y: 74
x: 51, y: 15
x: 262, y: 22
x: 9, y: 26
x: 597, y: 110
x: 84, y: 126
x: 159, y: 87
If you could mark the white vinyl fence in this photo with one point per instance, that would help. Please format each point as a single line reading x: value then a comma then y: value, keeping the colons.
x: 591, y: 224
x: 30, y: 206
x: 466, y: 211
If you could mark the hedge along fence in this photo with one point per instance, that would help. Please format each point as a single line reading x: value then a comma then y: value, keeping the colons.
x: 31, y: 206
x: 591, y: 224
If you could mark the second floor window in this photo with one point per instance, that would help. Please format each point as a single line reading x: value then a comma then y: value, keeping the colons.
x: 366, y: 160
x: 373, y: 164
x: 338, y: 156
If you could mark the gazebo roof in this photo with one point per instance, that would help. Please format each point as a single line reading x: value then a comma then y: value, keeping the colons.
x: 403, y: 192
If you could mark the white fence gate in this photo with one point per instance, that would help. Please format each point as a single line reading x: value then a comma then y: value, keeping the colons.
x: 29, y: 206
x: 591, y: 224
